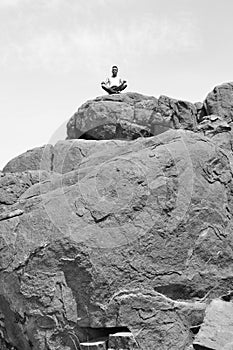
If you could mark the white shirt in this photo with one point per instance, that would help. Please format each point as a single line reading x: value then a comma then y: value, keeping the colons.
x: 114, y: 81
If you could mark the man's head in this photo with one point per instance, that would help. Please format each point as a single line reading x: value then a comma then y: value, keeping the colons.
x: 114, y: 71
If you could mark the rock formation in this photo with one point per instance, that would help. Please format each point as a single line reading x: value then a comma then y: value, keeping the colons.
x: 120, y: 240
x: 220, y: 102
x: 130, y: 115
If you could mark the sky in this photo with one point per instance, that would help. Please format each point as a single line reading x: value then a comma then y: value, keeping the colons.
x: 55, y: 53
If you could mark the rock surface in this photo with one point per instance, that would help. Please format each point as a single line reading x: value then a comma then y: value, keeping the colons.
x: 126, y: 235
x: 220, y: 102
x: 38, y: 158
x: 212, y: 125
x: 99, y: 237
x: 216, y: 333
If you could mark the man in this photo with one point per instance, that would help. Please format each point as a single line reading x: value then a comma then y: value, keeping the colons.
x: 114, y: 84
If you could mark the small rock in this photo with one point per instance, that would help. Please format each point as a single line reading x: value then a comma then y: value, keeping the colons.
x: 217, y: 329
x: 122, y: 340
x: 46, y: 322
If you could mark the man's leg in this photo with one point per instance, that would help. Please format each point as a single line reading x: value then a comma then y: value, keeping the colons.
x: 105, y: 88
x: 111, y: 90
x: 114, y: 89
x: 122, y: 87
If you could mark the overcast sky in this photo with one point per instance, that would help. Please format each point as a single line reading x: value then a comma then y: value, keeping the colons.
x: 55, y: 53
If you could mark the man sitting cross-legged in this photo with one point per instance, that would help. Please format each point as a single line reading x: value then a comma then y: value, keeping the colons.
x: 114, y: 84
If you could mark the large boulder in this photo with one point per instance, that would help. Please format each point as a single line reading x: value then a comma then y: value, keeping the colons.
x: 120, y: 236
x: 131, y: 115
x: 220, y: 102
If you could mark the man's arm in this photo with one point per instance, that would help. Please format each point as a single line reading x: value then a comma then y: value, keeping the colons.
x: 105, y: 82
x: 122, y: 82
x: 122, y: 85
